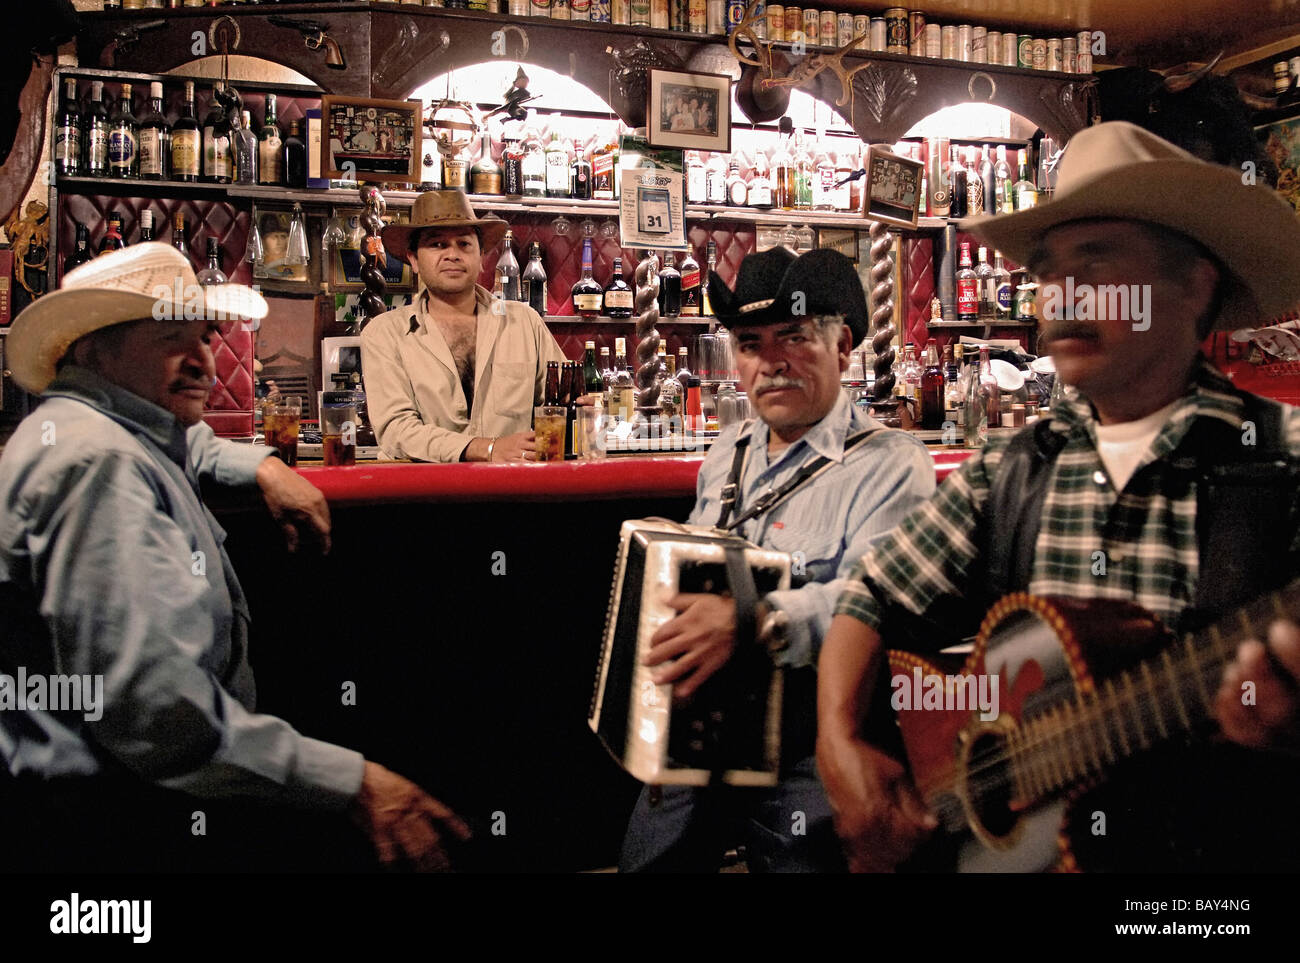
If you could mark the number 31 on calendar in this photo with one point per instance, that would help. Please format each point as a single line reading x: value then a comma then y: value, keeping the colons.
x: 654, y: 215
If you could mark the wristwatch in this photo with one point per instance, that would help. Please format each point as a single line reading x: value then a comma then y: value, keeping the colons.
x: 772, y: 632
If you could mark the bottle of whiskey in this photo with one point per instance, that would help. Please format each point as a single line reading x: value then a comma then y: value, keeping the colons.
x: 123, y: 138
x: 512, y: 169
x: 112, y: 239
x: 691, y: 295
x: 986, y: 281
x: 155, y: 138
x: 957, y: 195
x: 759, y: 194
x: 968, y: 297
x: 81, y: 252
x: 146, y: 226
x: 534, y: 166
x: 804, y: 174
x: 988, y: 178
x: 485, y: 175
x: 606, y: 372
x: 737, y: 189
x: 212, y: 274
x: 178, y: 234
x: 604, y: 171
x: 933, y: 401
x: 618, y: 294
x: 270, y: 147
x: 697, y: 184
x: 508, y: 270
x: 217, y: 157
x: 1026, y: 192
x: 295, y: 157
x: 68, y: 132
x: 186, y: 141
x: 1004, y: 200
x: 557, y: 168
x: 96, y: 156
x: 670, y: 288
x: 715, y: 179
x: 534, y: 281
x: 580, y: 173
x: 974, y: 185
x: 785, y: 190
x: 586, y: 294
x: 1002, y: 287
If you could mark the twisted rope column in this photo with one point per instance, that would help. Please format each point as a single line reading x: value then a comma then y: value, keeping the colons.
x: 881, y: 300
x: 646, y: 305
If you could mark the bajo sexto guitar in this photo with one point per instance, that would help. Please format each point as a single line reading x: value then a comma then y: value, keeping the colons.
x: 1072, y: 703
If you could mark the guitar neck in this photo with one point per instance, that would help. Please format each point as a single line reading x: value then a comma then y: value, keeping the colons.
x: 1165, y: 697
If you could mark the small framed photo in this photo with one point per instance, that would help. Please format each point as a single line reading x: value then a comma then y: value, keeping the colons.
x: 893, y: 188
x: 839, y: 239
x: 371, y: 140
x: 346, y: 271
x: 272, y: 271
x: 691, y: 111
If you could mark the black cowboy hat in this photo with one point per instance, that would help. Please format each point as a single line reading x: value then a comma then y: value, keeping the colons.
x: 777, y: 285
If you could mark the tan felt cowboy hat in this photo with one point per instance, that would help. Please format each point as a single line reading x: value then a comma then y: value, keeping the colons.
x: 1119, y: 170
x: 442, y: 209
x: 151, y: 280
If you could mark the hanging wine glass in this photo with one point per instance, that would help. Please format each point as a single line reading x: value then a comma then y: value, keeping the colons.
x: 298, y: 253
x: 254, y: 250
x: 333, y: 234
x: 609, y: 228
x: 561, y: 225
x: 587, y: 228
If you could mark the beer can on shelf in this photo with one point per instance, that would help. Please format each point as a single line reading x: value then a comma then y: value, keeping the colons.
x: 1025, y: 50
x: 993, y: 46
x: 812, y: 26
x: 933, y: 40
x: 132, y: 4
x: 1039, y: 54
x: 879, y: 34
x: 735, y: 14
x: 862, y: 24
x: 518, y: 8
x: 638, y: 13
x: 948, y: 43
x: 964, y: 42
x: 775, y: 21
x: 560, y: 10
x: 620, y: 12
x: 1084, y: 62
x: 715, y: 17
x: 760, y: 20
x: 600, y: 11
x: 896, y: 27
x: 1054, y: 61
x: 1010, y: 50
x: 843, y: 29
x: 439, y: 3
x: 658, y: 14
x: 793, y: 23
x: 1069, y: 54
x: 979, y: 45
x: 916, y: 33
x: 539, y: 8
x: 827, y: 30
x: 580, y: 9
x: 1281, y: 77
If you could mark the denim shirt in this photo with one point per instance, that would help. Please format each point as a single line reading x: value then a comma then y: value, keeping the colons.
x: 831, y: 521
x: 115, y: 567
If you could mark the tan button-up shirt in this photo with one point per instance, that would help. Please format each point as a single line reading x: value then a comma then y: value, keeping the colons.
x: 413, y: 390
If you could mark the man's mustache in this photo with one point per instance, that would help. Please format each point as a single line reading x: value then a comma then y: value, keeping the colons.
x: 776, y: 382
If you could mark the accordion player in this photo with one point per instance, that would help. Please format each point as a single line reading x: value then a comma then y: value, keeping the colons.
x: 730, y: 731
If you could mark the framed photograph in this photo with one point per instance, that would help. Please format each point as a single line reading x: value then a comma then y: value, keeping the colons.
x: 1281, y: 140
x: 691, y: 111
x: 893, y: 188
x: 271, y: 271
x: 346, y: 271
x: 370, y: 140
x: 839, y: 239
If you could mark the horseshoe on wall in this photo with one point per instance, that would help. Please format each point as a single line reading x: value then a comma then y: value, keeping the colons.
x: 993, y: 85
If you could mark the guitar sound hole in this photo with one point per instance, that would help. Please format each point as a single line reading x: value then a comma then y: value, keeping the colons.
x: 988, y: 784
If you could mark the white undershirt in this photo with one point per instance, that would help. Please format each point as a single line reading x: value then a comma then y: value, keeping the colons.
x: 1122, y: 446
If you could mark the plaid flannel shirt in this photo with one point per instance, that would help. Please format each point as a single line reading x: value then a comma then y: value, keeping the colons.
x: 929, y: 566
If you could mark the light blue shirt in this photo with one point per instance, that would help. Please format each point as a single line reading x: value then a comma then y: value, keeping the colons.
x: 111, y: 564
x: 832, y: 520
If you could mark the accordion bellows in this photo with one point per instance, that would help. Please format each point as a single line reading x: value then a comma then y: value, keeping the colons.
x: 730, y: 730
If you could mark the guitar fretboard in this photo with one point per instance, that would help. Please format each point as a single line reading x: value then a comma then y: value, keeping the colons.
x: 1164, y: 697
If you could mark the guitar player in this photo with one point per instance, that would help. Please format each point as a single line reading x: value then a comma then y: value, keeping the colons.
x: 1157, y: 483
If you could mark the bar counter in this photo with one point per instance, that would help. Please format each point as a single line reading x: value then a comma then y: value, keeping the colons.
x: 464, y: 607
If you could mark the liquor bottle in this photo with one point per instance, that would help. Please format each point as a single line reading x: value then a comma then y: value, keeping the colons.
x: 146, y: 226
x: 968, y: 298
x: 623, y: 404
x: 508, y: 270
x: 1002, y: 287
x: 570, y: 392
x: 212, y: 274
x: 580, y: 173
x: 270, y: 147
x: 824, y: 182
x: 604, y: 171
x: 856, y: 162
x: 551, y: 396
x: 512, y: 166
x: 933, y: 400
x: 936, y: 177
x: 178, y: 235
x: 841, y: 196
x: 785, y: 190
x: 990, y: 392
x: 557, y: 168
x: 908, y: 385
x: 187, y: 141
x: 715, y: 179
x: 68, y: 132
x: 975, y: 427
x: 988, y: 177
x: 243, y: 147
x: 670, y: 391
x: 618, y: 294
x: 217, y: 158
x: 986, y: 282
x: 587, y: 295
x: 455, y: 172
x: 682, y: 374
x: 957, y: 196
x: 96, y: 157
x: 1026, y: 192
x: 123, y: 138
x: 112, y: 239
x: 606, y: 372
x: 592, y: 383
x: 711, y: 262
x: 697, y: 186
x: 80, y: 252
x: 1005, y: 199
x: 295, y: 157
x: 951, y: 401
x: 691, y: 286
x: 670, y: 288
x: 485, y: 175
x: 803, y: 166
x: 974, y: 185
x: 1023, y: 308
x: 534, y: 166
x: 737, y: 189
x: 534, y: 281
x: 759, y: 194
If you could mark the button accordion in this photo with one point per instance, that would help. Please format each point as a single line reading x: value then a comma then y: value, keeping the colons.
x: 730, y: 731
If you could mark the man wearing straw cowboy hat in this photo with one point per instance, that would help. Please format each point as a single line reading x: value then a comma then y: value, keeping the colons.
x: 112, y: 571
x: 1159, y: 483
x: 455, y: 376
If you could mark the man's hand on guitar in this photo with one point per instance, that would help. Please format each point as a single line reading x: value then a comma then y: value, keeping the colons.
x: 1271, y: 716
x: 701, y: 639
x: 879, y: 816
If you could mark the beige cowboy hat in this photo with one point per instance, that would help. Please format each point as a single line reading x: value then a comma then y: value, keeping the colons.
x: 151, y: 280
x: 1119, y: 170
x: 442, y: 209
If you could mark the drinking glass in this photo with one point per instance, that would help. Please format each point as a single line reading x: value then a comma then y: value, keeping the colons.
x: 338, y: 425
x: 548, y: 426
x: 280, y: 426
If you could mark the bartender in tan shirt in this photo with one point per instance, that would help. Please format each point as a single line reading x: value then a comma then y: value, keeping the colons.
x: 454, y: 377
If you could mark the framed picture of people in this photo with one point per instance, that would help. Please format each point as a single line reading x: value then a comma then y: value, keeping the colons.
x: 690, y: 111
x: 370, y: 140
x: 893, y: 188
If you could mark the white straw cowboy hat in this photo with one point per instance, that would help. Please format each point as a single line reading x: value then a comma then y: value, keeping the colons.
x: 440, y: 210
x: 1119, y: 170
x: 151, y: 280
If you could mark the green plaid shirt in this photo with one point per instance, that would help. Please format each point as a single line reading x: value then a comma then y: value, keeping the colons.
x: 930, y: 565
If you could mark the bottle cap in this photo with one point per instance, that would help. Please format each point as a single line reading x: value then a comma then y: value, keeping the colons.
x: 155, y: 90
